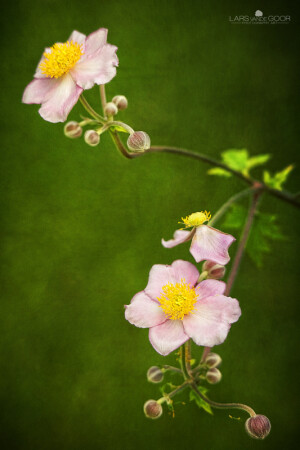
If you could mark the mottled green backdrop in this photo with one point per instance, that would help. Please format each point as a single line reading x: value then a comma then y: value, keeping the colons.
x: 81, y: 226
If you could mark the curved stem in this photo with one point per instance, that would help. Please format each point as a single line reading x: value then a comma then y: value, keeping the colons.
x: 282, y: 195
x: 166, y: 368
x: 119, y: 145
x: 117, y: 123
x: 188, y: 356
x: 90, y: 110
x: 218, y: 405
x: 182, y: 362
x: 229, y: 202
x: 176, y: 391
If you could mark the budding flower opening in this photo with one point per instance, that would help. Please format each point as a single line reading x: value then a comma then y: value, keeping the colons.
x: 152, y: 409
x: 120, y: 101
x: 110, y: 109
x: 155, y: 375
x: 91, y: 138
x: 214, y: 271
x: 213, y: 376
x: 72, y: 130
x: 258, y: 426
x: 138, y: 141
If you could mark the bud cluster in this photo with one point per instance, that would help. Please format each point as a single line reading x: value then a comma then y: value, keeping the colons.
x: 212, y: 362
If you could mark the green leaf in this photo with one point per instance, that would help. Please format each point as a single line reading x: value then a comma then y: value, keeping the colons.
x: 119, y: 128
x: 278, y: 179
x: 219, y: 172
x: 235, y: 159
x: 201, y: 403
x: 257, y: 160
x: 264, y: 231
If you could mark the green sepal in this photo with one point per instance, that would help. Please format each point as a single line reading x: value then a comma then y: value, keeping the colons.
x: 201, y: 403
x: 119, y: 128
x: 219, y: 172
x: 278, y: 179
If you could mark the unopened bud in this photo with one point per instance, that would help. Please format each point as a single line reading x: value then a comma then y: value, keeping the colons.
x: 152, y: 409
x: 138, y: 141
x: 92, y: 138
x: 213, y: 360
x: 72, y: 130
x: 215, y: 271
x: 155, y: 375
x: 110, y: 109
x: 120, y: 101
x: 258, y: 426
x: 213, y: 375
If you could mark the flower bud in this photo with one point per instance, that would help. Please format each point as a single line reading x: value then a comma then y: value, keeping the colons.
x: 72, y: 130
x: 213, y: 360
x: 155, y: 375
x: 92, y: 138
x: 138, y: 141
x: 110, y: 109
x: 258, y: 426
x: 152, y: 409
x: 120, y: 101
x: 213, y: 375
x: 215, y: 271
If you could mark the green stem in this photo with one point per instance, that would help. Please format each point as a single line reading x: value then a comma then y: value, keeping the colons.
x: 229, y: 202
x: 173, y: 393
x: 119, y: 145
x: 90, y: 110
x: 166, y: 368
x: 218, y: 405
x: 182, y: 362
x: 188, y: 356
x: 103, y: 97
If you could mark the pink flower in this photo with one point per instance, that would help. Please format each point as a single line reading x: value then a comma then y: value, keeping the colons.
x: 207, y: 242
x: 175, y: 308
x: 65, y: 70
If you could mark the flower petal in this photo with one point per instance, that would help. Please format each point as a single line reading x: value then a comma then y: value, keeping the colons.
x: 98, y: 68
x: 37, y: 90
x: 160, y: 275
x: 38, y: 72
x: 60, y: 100
x: 210, y: 288
x: 212, y: 244
x: 168, y: 336
x: 78, y: 37
x: 180, y: 236
x: 144, y: 312
x: 209, y: 323
x: 95, y: 41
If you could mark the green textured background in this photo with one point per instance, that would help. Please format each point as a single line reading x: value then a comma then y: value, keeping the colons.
x: 81, y: 226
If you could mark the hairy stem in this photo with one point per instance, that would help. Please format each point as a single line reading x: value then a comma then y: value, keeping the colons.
x: 188, y: 357
x: 242, y: 243
x: 246, y: 408
x: 182, y: 362
x: 90, y: 110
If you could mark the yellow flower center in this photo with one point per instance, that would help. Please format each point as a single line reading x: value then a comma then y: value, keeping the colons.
x: 196, y: 219
x: 177, y: 300
x: 61, y: 59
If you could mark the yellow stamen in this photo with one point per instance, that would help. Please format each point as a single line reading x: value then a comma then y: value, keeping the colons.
x: 60, y: 59
x: 177, y: 300
x: 196, y: 219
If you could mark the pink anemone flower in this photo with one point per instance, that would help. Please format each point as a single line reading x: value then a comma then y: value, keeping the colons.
x: 175, y: 308
x: 207, y: 242
x: 65, y: 70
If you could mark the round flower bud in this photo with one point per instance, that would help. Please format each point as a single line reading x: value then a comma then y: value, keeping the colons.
x: 72, y: 130
x: 258, y: 426
x: 152, y: 409
x: 110, y: 109
x: 138, y: 141
x: 214, y: 271
x: 92, y: 138
x: 120, y: 101
x: 213, y: 360
x: 155, y: 375
x: 213, y: 375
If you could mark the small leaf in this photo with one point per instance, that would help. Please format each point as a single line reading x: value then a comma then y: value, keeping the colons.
x: 119, y: 128
x: 235, y: 159
x: 278, y: 179
x: 201, y: 403
x: 257, y: 160
x: 220, y: 172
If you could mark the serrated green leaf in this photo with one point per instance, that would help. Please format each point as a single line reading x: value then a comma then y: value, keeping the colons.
x: 219, y: 172
x: 278, y: 179
x: 235, y: 159
x: 201, y: 403
x: 257, y: 160
x: 264, y: 231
